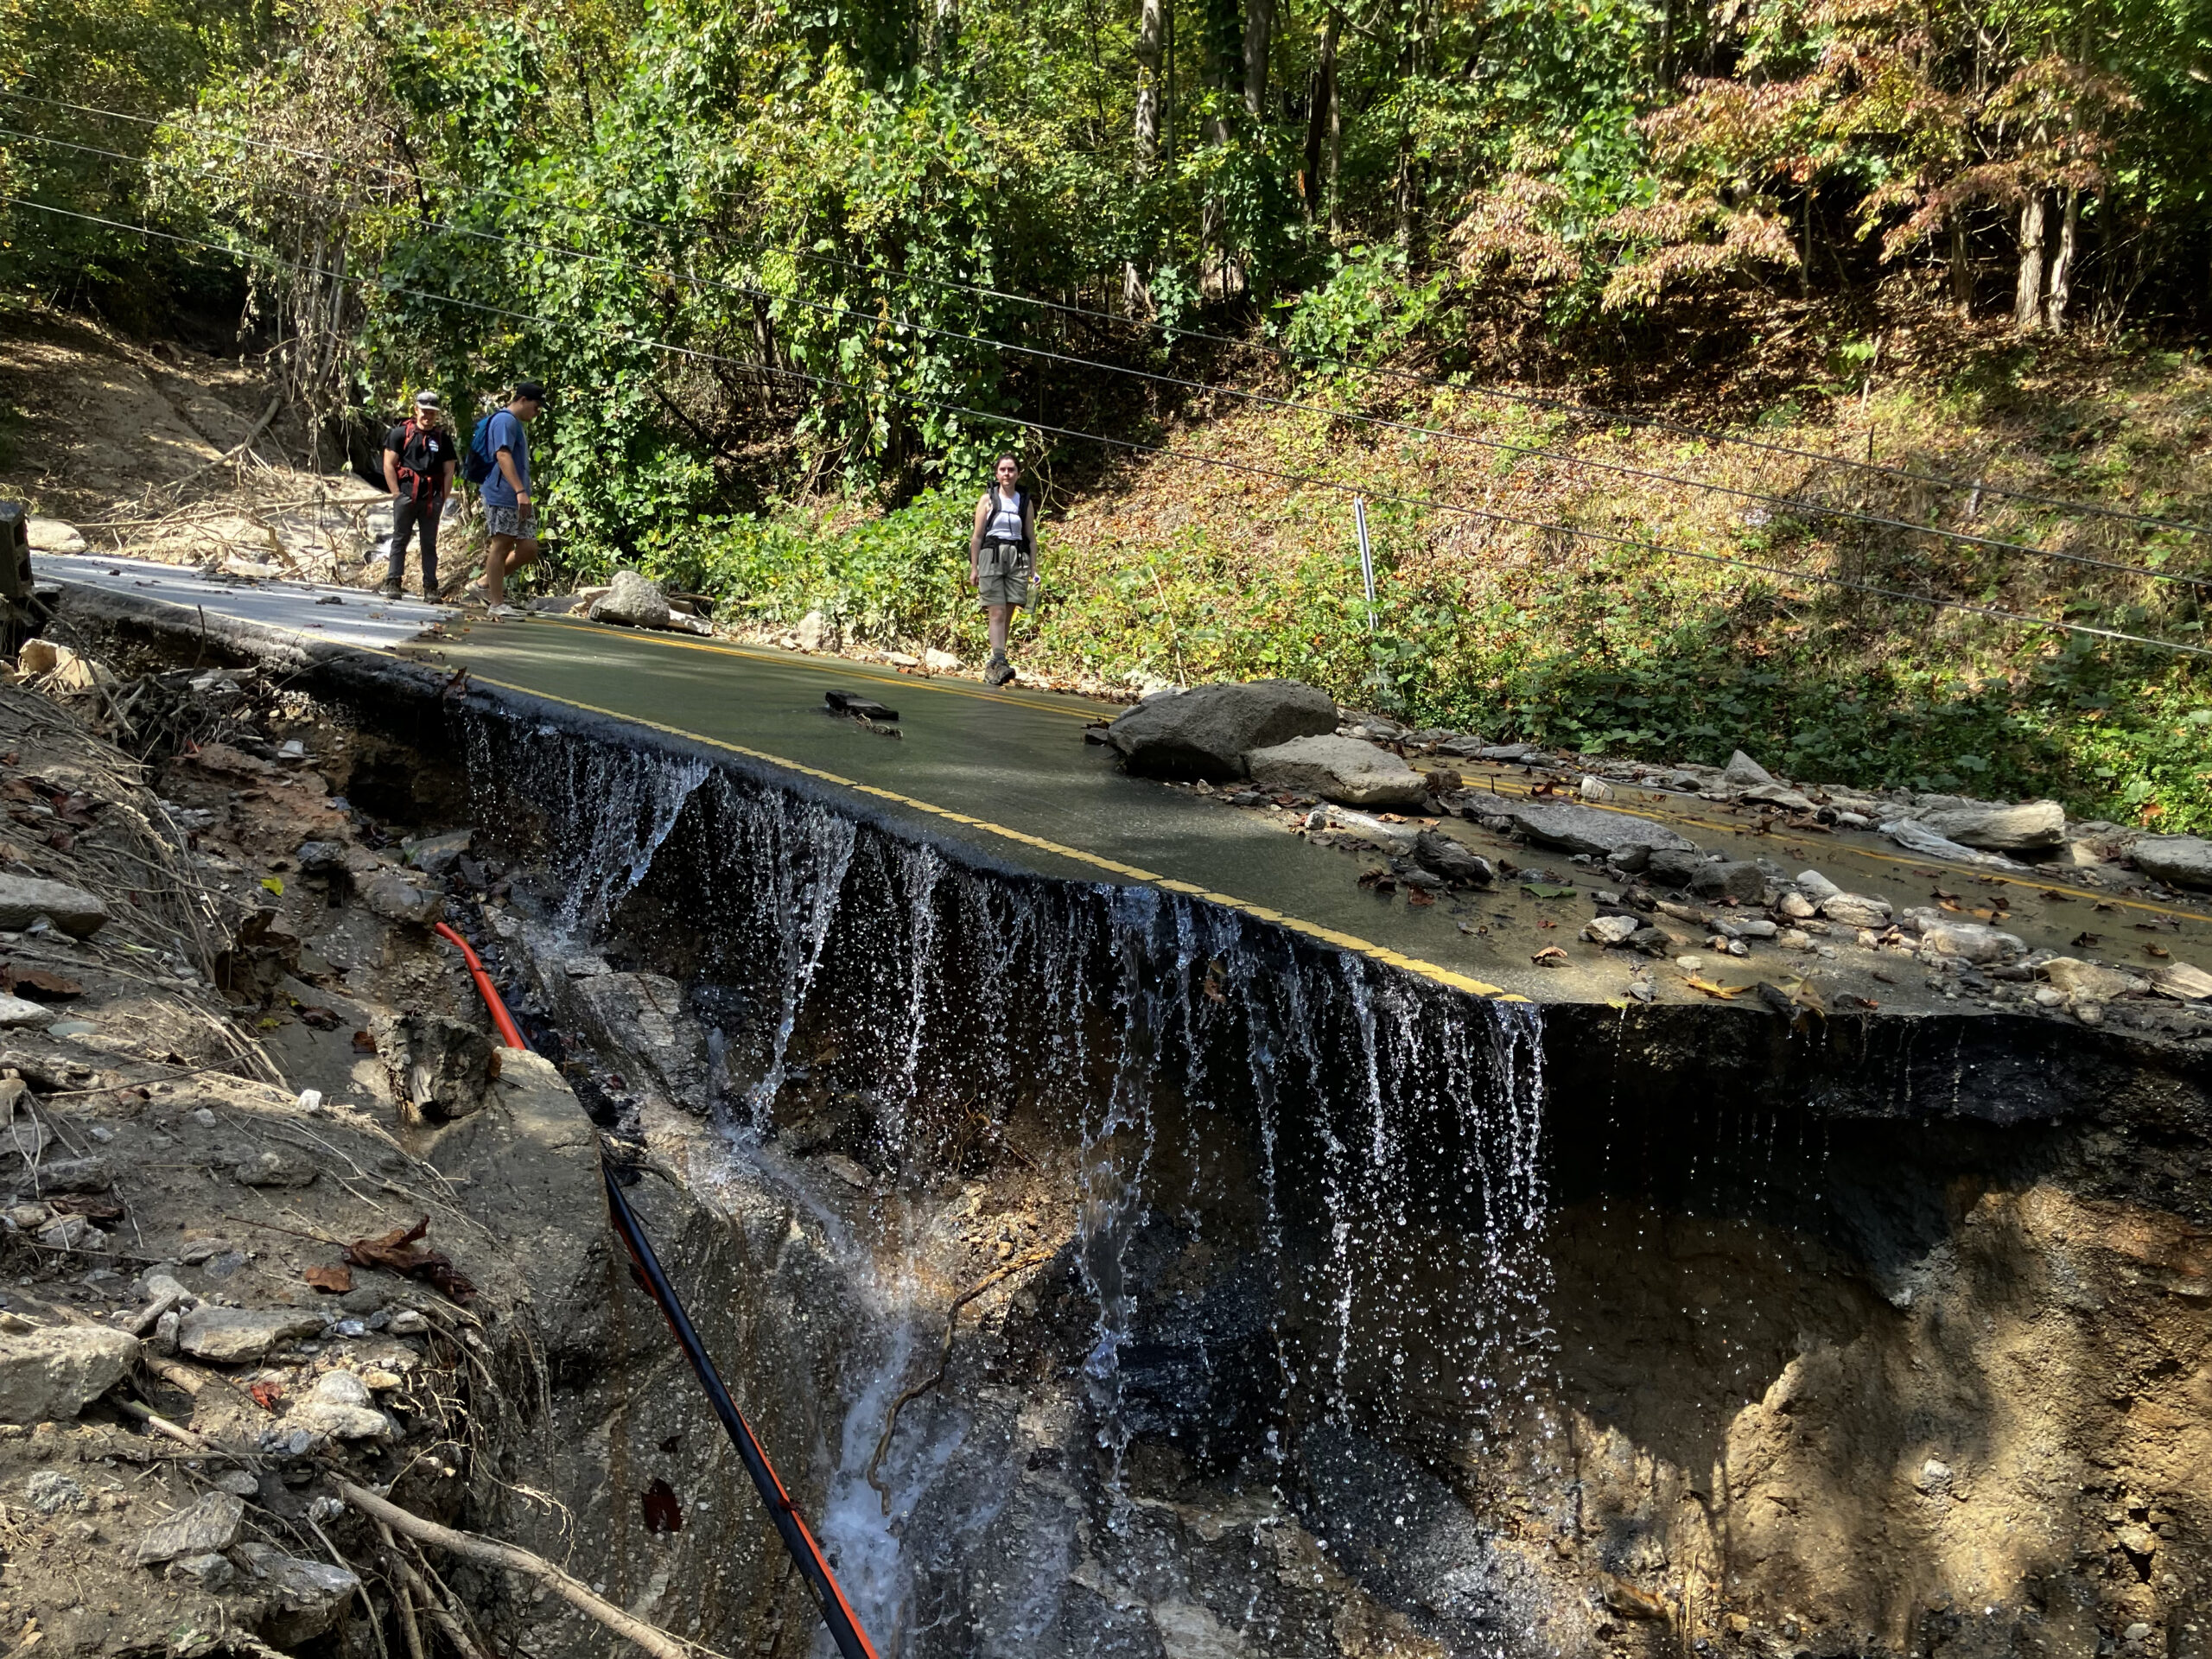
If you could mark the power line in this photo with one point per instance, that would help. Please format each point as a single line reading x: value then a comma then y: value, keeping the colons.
x: 1978, y: 488
x: 1252, y: 469
x: 1843, y: 515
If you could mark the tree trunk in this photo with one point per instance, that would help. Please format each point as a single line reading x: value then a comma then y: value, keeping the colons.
x: 1320, y: 123
x: 1962, y: 270
x: 2027, y: 294
x: 943, y: 34
x: 1152, y: 44
x: 2061, y: 267
x: 1258, y: 32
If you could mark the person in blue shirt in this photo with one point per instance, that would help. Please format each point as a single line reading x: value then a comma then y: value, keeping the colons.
x: 510, y: 514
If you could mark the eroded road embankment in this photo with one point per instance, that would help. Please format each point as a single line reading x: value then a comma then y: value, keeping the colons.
x: 1001, y: 777
x: 1291, y: 1299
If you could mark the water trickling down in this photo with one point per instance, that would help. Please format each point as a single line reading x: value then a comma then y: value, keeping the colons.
x: 1307, y: 1201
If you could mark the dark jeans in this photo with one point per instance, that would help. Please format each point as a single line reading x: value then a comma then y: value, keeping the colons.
x: 409, y: 515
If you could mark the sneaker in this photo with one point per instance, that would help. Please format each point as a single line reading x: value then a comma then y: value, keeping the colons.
x: 391, y: 590
x: 500, y: 612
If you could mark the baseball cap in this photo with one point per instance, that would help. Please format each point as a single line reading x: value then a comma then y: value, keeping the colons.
x: 428, y: 400
x: 533, y: 389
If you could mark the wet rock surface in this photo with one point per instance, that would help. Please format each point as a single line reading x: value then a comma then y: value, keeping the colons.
x: 1207, y: 731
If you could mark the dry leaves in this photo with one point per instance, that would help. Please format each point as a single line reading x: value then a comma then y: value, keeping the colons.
x: 1723, y: 992
x: 397, y: 1252
x: 331, y: 1281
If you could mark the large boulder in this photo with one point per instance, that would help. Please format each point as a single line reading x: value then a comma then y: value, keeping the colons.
x: 2028, y: 826
x: 2183, y: 860
x: 632, y: 602
x: 1743, y: 772
x: 1346, y: 769
x: 50, y: 1375
x: 25, y: 899
x: 1629, y: 841
x: 1207, y: 731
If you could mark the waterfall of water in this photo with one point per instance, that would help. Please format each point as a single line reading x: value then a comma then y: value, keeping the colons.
x: 1305, y: 1193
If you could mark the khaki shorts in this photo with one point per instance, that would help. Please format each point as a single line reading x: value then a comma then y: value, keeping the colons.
x: 1002, y: 575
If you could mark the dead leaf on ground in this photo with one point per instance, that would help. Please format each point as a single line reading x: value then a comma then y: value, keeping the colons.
x: 265, y: 1395
x: 2083, y: 941
x: 1415, y: 896
x: 39, y: 984
x: 2056, y: 897
x: 1550, y: 957
x: 1696, y: 983
x: 2158, y: 950
x: 364, y: 1043
x: 331, y: 1281
x: 397, y: 1252
x: 320, y: 1019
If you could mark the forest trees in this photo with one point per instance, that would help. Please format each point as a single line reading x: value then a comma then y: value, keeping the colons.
x: 802, y: 230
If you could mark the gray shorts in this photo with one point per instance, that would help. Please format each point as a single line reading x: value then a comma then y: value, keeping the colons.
x: 511, y: 521
x: 1002, y: 575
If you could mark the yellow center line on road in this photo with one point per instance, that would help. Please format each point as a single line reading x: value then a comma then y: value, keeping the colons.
x: 1349, y: 942
x: 758, y: 654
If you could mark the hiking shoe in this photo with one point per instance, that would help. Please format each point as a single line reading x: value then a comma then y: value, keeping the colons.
x: 391, y: 590
x: 500, y: 612
x: 999, y: 672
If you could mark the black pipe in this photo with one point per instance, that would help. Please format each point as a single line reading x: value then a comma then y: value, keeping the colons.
x: 836, y: 1612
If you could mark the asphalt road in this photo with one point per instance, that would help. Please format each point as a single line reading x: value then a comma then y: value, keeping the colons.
x: 1008, y: 771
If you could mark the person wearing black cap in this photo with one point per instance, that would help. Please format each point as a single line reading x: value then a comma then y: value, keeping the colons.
x: 510, y: 514
x: 418, y: 461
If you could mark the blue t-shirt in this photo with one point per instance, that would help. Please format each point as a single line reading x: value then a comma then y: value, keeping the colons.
x: 506, y: 432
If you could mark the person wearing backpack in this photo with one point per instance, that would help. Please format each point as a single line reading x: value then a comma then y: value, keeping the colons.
x: 498, y: 464
x: 1002, y: 559
x: 419, y: 455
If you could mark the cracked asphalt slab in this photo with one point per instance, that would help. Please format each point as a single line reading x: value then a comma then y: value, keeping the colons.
x: 1005, y: 773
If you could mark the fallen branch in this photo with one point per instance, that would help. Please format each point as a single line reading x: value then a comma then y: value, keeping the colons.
x: 513, y: 1559
x: 235, y: 451
x: 944, y: 1358
x: 155, y: 1420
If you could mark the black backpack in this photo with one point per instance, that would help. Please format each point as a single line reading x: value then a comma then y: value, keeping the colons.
x: 419, y: 461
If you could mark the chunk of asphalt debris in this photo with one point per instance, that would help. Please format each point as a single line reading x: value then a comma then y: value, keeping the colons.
x: 856, y: 707
x: 1624, y: 841
x: 1345, y: 769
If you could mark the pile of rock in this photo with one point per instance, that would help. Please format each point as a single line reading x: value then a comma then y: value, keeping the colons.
x: 631, y: 600
x: 1955, y: 828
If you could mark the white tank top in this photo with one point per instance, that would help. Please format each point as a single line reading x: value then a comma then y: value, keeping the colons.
x: 1005, y: 521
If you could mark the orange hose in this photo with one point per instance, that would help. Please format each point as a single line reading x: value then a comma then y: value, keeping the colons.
x: 510, y: 1033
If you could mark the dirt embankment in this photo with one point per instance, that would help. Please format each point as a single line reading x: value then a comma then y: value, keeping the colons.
x: 279, y: 1218
x: 168, y: 453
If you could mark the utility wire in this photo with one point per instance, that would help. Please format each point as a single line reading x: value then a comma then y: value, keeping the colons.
x: 1978, y: 488
x: 1845, y: 515
x: 1249, y: 468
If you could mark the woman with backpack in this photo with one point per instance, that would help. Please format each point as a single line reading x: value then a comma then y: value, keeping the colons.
x: 1002, y: 559
x: 419, y: 456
